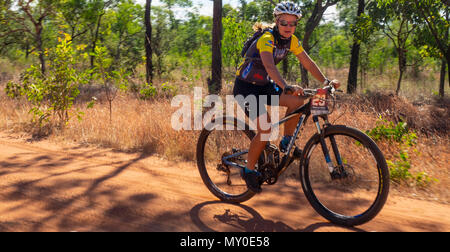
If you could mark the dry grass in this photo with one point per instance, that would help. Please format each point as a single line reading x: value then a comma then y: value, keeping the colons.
x: 431, y: 122
x: 14, y: 114
x: 414, y: 88
x: 136, y: 126
x: 429, y: 155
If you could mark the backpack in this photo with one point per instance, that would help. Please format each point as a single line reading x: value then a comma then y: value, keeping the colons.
x: 250, y: 41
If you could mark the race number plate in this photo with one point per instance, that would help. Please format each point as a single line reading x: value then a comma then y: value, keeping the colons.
x: 319, y: 104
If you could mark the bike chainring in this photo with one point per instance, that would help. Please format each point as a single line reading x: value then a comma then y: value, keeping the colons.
x: 269, y: 174
x: 269, y: 169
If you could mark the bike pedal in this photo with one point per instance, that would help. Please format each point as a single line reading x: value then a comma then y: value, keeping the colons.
x: 297, y: 153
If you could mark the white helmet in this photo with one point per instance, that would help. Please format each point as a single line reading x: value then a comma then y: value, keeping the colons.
x: 287, y: 8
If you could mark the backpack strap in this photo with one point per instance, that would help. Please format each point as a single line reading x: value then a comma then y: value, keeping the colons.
x: 254, y: 38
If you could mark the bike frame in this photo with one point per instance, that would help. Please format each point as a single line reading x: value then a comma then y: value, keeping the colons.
x: 305, y: 112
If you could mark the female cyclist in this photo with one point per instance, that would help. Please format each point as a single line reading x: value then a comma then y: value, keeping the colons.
x: 254, y: 75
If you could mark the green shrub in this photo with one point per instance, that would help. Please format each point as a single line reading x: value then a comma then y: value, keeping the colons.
x: 147, y: 92
x: 387, y: 130
x: 52, y: 94
x: 399, y: 168
x: 111, y: 81
x: 169, y: 90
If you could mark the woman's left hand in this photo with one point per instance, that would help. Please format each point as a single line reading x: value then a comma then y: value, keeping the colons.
x: 294, y: 90
x: 336, y: 84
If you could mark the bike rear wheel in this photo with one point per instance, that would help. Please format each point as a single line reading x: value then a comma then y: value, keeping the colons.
x: 223, y: 137
x: 358, y: 189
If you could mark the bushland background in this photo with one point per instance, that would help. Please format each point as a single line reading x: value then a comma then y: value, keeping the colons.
x: 103, y: 73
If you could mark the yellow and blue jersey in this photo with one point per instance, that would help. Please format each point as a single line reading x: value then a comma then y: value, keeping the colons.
x: 252, y: 70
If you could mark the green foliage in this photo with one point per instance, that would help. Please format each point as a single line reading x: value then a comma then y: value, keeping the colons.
x: 432, y: 35
x: 191, y: 35
x: 169, y: 90
x: 235, y: 34
x: 422, y: 179
x: 399, y: 168
x: 400, y: 172
x: 102, y: 63
x: 387, y: 130
x: 13, y: 90
x: 53, y: 94
x: 103, y: 73
x: 432, y: 21
x: 363, y: 28
x: 148, y: 92
x: 111, y: 80
x: 126, y: 34
x: 334, y: 52
x: 183, y: 44
x: 192, y: 67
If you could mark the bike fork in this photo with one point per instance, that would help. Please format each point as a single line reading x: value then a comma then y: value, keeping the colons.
x: 325, y: 150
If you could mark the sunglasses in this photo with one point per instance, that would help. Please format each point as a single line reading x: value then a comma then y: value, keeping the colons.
x: 286, y: 23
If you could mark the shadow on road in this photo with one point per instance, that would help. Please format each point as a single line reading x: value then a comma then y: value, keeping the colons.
x: 238, y: 217
x: 46, y: 194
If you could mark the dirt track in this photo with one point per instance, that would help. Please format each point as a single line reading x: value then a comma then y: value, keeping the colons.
x: 49, y: 187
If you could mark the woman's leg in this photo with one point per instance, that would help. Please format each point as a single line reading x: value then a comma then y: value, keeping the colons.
x: 292, y: 103
x: 258, y: 142
x: 251, y: 177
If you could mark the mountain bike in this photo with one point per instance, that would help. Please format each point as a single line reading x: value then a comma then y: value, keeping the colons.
x: 343, y: 173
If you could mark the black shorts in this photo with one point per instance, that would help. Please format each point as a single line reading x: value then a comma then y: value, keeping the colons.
x: 262, y: 96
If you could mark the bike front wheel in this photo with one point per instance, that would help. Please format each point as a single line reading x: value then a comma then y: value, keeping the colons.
x: 357, y: 188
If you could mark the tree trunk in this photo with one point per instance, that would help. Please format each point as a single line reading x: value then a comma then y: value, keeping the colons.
x: 305, y: 44
x: 304, y: 75
x: 117, y: 56
x: 361, y: 74
x: 352, y: 82
x: 311, y: 24
x: 148, y: 46
x: 398, y: 82
x: 27, y: 50
x: 39, y: 47
x: 94, y: 43
x: 401, y: 66
x: 442, y: 79
x: 215, y: 83
x: 448, y: 47
x: 446, y: 60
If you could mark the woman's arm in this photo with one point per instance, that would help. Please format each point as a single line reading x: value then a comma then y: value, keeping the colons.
x: 272, y: 70
x: 311, y: 66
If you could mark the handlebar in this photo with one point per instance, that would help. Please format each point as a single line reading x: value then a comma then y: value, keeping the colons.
x: 310, y: 92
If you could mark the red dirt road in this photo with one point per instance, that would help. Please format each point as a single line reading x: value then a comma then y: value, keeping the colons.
x: 52, y: 187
